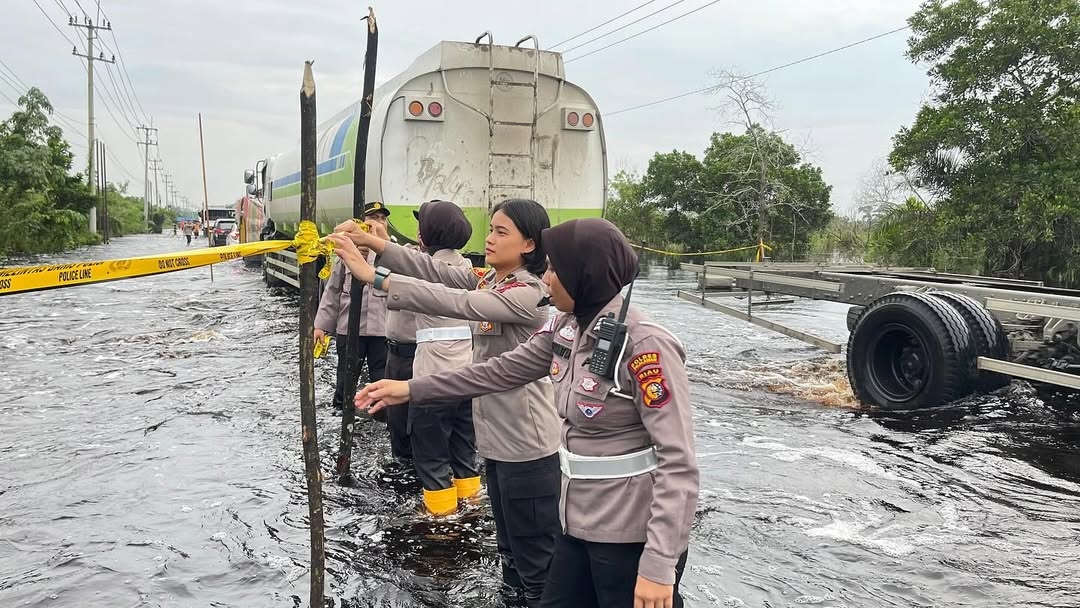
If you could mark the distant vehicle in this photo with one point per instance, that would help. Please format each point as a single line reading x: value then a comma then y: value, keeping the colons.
x: 221, y: 230
x: 469, y: 122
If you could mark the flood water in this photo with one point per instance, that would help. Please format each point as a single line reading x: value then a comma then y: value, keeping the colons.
x: 150, y: 456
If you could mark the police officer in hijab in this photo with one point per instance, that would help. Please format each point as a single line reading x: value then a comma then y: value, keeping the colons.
x: 441, y: 434
x: 629, y: 471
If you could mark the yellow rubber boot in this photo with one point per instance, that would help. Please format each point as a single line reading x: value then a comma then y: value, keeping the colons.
x: 441, y: 502
x: 468, y: 487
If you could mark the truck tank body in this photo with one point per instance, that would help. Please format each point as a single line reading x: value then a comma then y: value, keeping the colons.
x: 472, y: 142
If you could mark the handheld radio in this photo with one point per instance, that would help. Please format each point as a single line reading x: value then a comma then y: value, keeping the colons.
x: 610, y: 339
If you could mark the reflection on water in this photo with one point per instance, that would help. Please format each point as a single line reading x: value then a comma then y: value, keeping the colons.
x: 151, y: 457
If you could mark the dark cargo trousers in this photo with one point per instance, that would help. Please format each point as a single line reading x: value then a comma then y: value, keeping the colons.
x: 585, y: 574
x: 369, y: 348
x: 443, y: 443
x: 525, y: 503
x: 399, y: 363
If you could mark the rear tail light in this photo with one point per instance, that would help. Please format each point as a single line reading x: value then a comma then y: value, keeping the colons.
x: 424, y: 108
x: 577, y: 119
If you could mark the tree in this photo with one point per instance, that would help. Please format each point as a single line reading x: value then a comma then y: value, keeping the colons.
x: 757, y: 181
x: 42, y: 205
x: 997, y: 146
x: 640, y: 220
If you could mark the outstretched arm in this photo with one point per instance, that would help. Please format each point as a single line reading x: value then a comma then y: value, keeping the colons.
x: 527, y: 363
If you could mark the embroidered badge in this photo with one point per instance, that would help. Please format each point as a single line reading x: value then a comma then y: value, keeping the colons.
x: 568, y: 332
x: 505, y: 286
x: 555, y: 369
x: 590, y: 410
x: 653, y: 372
x: 655, y: 392
x: 588, y: 384
x: 479, y: 272
x: 486, y: 326
x: 643, y: 360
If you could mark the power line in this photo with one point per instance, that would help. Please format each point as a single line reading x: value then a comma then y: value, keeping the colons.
x: 643, y: 31
x: 121, y: 89
x: 118, y: 163
x: 123, y: 67
x: 602, y: 24
x: 62, y: 7
x: 761, y: 73
x: 121, y: 95
x: 53, y: 23
x: 11, y: 83
x: 13, y: 74
x: 624, y: 26
x: 113, y: 116
x: 82, y: 9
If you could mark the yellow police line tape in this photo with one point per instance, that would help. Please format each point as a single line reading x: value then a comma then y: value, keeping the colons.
x: 761, y: 249
x: 309, y: 246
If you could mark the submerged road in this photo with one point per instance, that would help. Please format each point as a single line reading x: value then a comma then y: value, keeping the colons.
x: 150, y: 456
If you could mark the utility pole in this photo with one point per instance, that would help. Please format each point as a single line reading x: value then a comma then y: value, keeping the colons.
x: 146, y: 168
x: 155, y: 167
x: 168, y: 186
x: 91, y: 26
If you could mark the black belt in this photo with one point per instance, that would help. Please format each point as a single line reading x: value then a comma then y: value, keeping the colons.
x: 401, y: 349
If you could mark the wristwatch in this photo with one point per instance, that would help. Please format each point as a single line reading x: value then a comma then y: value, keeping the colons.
x: 380, y: 275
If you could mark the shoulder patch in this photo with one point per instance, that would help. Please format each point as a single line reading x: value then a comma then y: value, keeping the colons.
x: 479, y: 272
x: 642, y: 360
x: 655, y: 392
x: 507, y: 286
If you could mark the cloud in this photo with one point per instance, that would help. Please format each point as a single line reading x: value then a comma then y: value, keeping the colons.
x: 239, y: 63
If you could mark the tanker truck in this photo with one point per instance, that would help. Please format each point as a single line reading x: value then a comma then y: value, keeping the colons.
x: 468, y: 122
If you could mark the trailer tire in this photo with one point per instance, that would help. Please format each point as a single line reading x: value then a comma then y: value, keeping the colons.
x: 910, y: 351
x: 986, y: 331
x: 853, y: 314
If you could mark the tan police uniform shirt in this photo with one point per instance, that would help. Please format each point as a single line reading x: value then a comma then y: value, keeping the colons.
x: 519, y: 423
x: 441, y: 355
x: 333, y: 314
x: 656, y: 508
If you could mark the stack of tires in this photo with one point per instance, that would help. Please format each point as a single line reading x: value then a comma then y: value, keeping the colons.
x: 915, y: 350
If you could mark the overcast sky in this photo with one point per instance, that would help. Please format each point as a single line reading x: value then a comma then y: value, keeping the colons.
x: 239, y: 63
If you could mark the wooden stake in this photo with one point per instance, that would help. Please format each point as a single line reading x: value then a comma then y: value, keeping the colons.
x: 205, y: 201
x: 356, y: 293
x: 309, y: 299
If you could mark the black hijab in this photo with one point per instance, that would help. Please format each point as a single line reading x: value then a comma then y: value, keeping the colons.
x: 594, y: 262
x: 443, y: 225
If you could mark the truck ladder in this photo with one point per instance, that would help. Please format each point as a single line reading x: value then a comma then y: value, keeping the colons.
x: 503, y: 181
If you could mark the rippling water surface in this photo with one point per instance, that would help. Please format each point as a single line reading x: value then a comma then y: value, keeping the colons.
x: 150, y: 456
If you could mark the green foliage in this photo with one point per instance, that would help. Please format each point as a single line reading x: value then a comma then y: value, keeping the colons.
x: 998, y: 145
x: 721, y: 200
x: 639, y: 221
x: 45, y: 208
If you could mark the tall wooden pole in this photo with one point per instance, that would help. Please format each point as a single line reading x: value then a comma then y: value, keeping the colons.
x: 206, y: 198
x: 309, y: 301
x: 356, y: 292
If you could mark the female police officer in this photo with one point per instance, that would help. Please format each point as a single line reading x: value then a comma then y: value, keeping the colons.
x: 630, y: 477
x: 517, y: 429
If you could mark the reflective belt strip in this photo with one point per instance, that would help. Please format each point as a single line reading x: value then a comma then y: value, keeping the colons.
x: 607, y: 467
x: 435, y: 334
